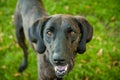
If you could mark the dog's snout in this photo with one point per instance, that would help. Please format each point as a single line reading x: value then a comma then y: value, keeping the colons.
x: 58, y: 59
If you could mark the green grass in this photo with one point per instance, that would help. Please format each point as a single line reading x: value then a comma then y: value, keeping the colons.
x: 101, y: 61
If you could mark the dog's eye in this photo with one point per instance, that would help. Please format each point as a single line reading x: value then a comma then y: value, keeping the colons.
x: 49, y: 33
x: 72, y: 33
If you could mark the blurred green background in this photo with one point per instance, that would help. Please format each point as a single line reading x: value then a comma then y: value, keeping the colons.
x: 101, y: 61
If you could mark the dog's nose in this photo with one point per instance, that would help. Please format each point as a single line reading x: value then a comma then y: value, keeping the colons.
x: 57, y: 59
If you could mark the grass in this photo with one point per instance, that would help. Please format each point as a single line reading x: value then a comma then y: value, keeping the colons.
x: 101, y: 61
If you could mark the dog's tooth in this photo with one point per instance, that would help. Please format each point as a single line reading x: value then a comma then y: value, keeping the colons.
x: 55, y: 68
x: 66, y: 67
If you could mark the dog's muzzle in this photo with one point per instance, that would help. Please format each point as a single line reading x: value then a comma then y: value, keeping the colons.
x: 61, y: 70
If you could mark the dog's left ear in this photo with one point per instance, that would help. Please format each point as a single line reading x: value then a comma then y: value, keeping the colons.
x: 86, y: 31
x: 35, y: 34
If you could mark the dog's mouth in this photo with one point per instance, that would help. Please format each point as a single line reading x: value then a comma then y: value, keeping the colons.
x: 61, y: 70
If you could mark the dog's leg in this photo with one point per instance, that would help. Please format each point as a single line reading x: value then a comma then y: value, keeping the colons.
x: 21, y: 40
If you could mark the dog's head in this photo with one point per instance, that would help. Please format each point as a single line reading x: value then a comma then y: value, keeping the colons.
x: 62, y: 36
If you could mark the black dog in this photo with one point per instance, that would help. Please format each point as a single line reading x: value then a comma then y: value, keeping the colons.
x: 57, y: 39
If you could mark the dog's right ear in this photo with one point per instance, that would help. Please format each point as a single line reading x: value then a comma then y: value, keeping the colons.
x: 35, y: 34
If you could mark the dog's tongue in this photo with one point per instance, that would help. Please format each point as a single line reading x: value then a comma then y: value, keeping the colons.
x: 61, y: 68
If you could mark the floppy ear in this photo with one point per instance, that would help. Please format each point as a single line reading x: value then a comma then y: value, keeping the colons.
x: 87, y: 33
x: 35, y: 34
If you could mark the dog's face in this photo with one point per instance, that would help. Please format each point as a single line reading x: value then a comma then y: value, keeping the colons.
x: 62, y: 36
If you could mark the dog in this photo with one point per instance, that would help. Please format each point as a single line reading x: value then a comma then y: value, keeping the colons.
x: 56, y: 39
